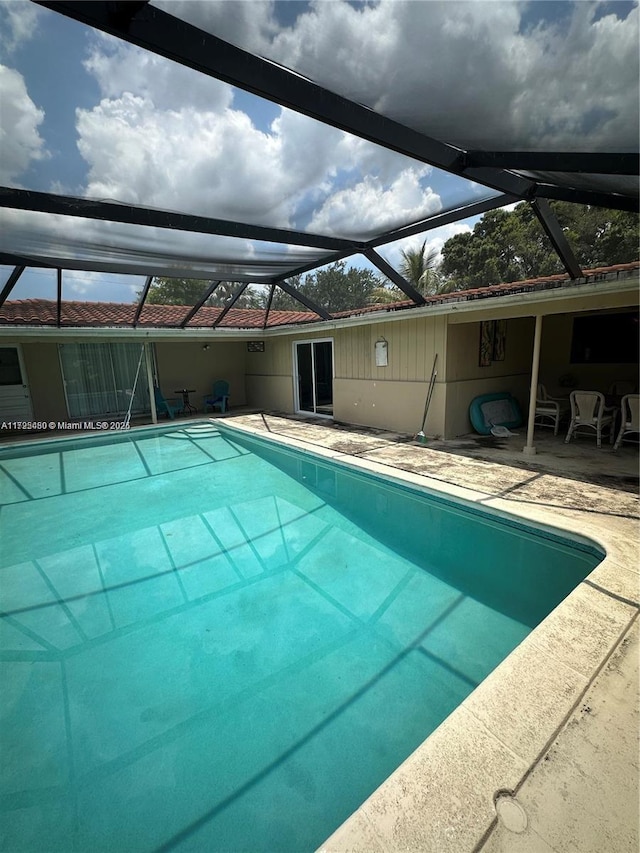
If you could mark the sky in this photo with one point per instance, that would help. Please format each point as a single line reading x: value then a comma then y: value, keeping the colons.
x: 84, y: 114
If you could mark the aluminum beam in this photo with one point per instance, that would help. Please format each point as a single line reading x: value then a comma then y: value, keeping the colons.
x: 557, y: 161
x: 269, y: 301
x: 18, y: 199
x: 304, y: 300
x: 440, y: 219
x: 610, y: 201
x: 200, y: 302
x: 143, y: 298
x: 395, y: 276
x: 554, y: 232
x: 11, y: 282
x: 230, y: 304
x: 168, y: 36
x: 59, y: 298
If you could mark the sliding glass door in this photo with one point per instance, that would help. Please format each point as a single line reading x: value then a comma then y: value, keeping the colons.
x: 314, y: 371
x: 99, y: 379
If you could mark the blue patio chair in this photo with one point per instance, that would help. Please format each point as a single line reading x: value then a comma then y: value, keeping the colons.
x: 163, y: 406
x: 219, y: 397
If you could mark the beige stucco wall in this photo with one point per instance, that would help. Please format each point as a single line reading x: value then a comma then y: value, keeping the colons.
x: 269, y: 375
x: 466, y: 379
x: 188, y: 365
x: 392, y: 397
x: 179, y: 364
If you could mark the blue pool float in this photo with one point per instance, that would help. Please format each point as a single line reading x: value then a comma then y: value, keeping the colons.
x: 491, y: 410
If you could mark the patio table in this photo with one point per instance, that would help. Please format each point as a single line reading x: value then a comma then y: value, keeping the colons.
x: 187, y: 408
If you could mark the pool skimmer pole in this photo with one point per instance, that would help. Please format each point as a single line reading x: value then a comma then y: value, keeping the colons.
x: 421, y: 436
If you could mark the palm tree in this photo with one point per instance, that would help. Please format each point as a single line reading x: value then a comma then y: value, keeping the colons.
x: 420, y: 268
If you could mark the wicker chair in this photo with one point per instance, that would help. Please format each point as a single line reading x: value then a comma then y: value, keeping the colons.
x: 588, y: 410
x: 630, y: 408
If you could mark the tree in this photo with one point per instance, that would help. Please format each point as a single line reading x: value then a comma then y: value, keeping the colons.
x: 386, y: 294
x: 511, y: 245
x: 188, y: 291
x: 176, y: 291
x: 339, y: 289
x: 334, y: 288
x: 420, y: 268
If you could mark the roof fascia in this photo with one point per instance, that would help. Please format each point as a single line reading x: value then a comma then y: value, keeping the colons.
x: 527, y: 304
x: 127, y: 333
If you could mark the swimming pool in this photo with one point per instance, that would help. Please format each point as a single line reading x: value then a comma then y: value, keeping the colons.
x: 213, y: 643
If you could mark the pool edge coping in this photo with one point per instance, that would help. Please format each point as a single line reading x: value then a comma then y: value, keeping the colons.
x: 515, y: 740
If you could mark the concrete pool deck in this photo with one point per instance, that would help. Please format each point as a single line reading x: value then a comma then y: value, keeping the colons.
x: 543, y: 755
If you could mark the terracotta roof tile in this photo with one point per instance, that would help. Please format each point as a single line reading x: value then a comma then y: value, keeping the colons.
x: 43, y: 312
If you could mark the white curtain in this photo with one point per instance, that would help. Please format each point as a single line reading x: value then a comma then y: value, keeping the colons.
x: 99, y: 379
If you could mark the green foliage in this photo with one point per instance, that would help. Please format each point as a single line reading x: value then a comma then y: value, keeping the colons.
x: 385, y: 294
x: 511, y: 245
x: 176, y: 291
x: 334, y: 288
x: 188, y: 291
x: 420, y: 268
x: 339, y: 289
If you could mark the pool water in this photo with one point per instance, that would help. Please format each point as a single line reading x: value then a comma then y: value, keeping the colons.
x: 210, y: 643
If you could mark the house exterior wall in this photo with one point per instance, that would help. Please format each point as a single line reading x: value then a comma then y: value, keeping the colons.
x: 188, y: 365
x: 390, y: 397
x: 466, y: 379
x: 269, y: 375
x: 180, y: 365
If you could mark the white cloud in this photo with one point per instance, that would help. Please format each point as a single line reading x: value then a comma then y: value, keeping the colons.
x: 20, y: 23
x: 120, y: 68
x: 19, y: 138
x: 435, y: 240
x: 248, y: 23
x: 161, y: 147
x: 369, y: 208
x: 469, y: 72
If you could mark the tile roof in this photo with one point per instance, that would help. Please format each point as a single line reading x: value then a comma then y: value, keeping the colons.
x: 43, y: 312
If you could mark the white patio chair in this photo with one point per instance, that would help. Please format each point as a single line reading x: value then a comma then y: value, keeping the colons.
x: 588, y: 410
x: 549, y: 410
x: 630, y: 408
x: 621, y: 387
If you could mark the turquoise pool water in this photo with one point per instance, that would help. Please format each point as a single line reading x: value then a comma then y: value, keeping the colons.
x: 210, y: 643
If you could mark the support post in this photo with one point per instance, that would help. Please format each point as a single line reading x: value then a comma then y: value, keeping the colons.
x: 529, y: 449
x: 150, y: 383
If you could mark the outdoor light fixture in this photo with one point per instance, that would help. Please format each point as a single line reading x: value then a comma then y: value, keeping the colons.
x: 205, y: 346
